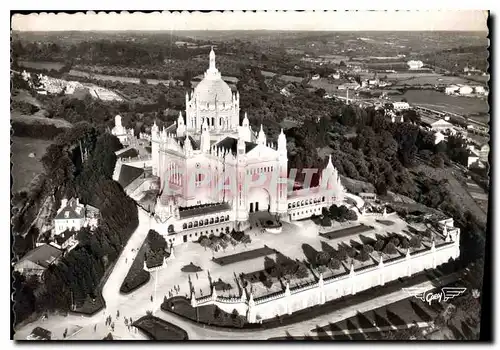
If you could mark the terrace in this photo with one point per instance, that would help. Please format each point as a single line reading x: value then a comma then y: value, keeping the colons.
x: 298, y: 241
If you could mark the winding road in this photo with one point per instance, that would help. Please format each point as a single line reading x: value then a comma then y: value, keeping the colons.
x: 136, y: 304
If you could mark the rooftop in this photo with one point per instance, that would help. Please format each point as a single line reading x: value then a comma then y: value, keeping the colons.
x: 41, y: 333
x: 203, y: 209
x: 230, y: 143
x: 65, y: 236
x: 128, y: 174
x: 44, y: 255
x: 72, y: 210
x: 194, y: 143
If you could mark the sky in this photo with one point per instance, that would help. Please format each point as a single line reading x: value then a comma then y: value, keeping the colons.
x: 462, y: 20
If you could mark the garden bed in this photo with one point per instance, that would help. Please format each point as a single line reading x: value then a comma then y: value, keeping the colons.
x: 251, y: 254
x: 345, y: 232
x: 136, y: 276
x: 158, y: 329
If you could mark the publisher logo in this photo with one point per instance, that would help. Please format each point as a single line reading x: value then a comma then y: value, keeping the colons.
x: 445, y: 294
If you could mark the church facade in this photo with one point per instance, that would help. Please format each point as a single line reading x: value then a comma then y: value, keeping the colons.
x: 214, y: 173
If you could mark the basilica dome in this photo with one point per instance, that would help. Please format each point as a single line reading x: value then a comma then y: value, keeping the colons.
x: 211, y: 89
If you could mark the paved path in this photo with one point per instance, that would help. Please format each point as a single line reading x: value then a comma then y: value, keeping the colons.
x: 136, y: 304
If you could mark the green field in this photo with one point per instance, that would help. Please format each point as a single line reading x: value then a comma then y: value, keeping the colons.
x: 440, y: 101
x: 24, y: 168
x: 41, y: 65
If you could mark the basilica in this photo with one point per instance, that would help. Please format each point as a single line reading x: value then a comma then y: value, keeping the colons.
x: 214, y: 172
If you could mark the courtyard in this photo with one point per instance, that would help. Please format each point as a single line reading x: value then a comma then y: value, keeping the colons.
x: 297, y: 241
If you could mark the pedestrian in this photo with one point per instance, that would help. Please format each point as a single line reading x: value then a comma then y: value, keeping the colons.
x: 197, y: 275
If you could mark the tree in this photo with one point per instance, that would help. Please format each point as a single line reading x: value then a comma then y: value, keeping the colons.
x: 368, y: 248
x: 205, y: 242
x: 235, y: 314
x: 415, y: 242
x: 405, y: 244
x: 390, y: 248
x: 246, y: 239
x: 437, y: 161
x: 381, y: 188
x: 363, y: 255
x: 322, y: 258
x: 326, y: 221
x: 334, y: 264
x: 302, y: 271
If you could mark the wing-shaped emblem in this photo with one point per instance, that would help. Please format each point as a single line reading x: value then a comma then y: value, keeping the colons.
x: 416, y: 292
x: 451, y: 292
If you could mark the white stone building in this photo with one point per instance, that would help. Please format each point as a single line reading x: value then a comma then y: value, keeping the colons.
x: 400, y: 106
x: 415, y: 64
x: 452, y: 89
x: 214, y: 172
x: 465, y: 90
x: 439, y: 137
x: 443, y: 126
x: 123, y: 134
x: 72, y: 216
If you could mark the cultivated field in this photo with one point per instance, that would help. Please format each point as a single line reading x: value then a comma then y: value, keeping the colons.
x: 39, y: 118
x: 446, y: 103
x: 24, y: 168
x: 78, y: 73
x: 41, y: 65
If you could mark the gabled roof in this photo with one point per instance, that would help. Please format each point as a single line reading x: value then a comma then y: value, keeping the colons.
x: 194, y: 143
x: 41, y: 333
x: 230, y: 143
x: 128, y: 174
x: 127, y: 152
x: 72, y: 210
x: 442, y: 122
x: 44, y: 255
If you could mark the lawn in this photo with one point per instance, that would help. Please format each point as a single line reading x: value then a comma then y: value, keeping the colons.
x: 440, y: 101
x: 136, y: 276
x: 345, y: 232
x: 158, y: 329
x: 41, y: 65
x: 24, y: 168
x: 247, y: 255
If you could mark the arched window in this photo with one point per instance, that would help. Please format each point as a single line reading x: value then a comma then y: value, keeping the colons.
x: 190, y: 225
x: 323, y: 199
x: 195, y: 224
x: 227, y: 217
x: 206, y: 221
x: 201, y: 222
x: 221, y: 219
x: 184, y: 226
x: 213, y: 121
x: 170, y: 228
x: 217, y: 220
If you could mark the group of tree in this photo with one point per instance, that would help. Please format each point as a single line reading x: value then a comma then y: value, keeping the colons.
x: 80, y: 164
x: 340, y: 213
x: 156, y: 249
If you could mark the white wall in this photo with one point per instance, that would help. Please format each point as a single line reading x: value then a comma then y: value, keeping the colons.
x: 333, y: 288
